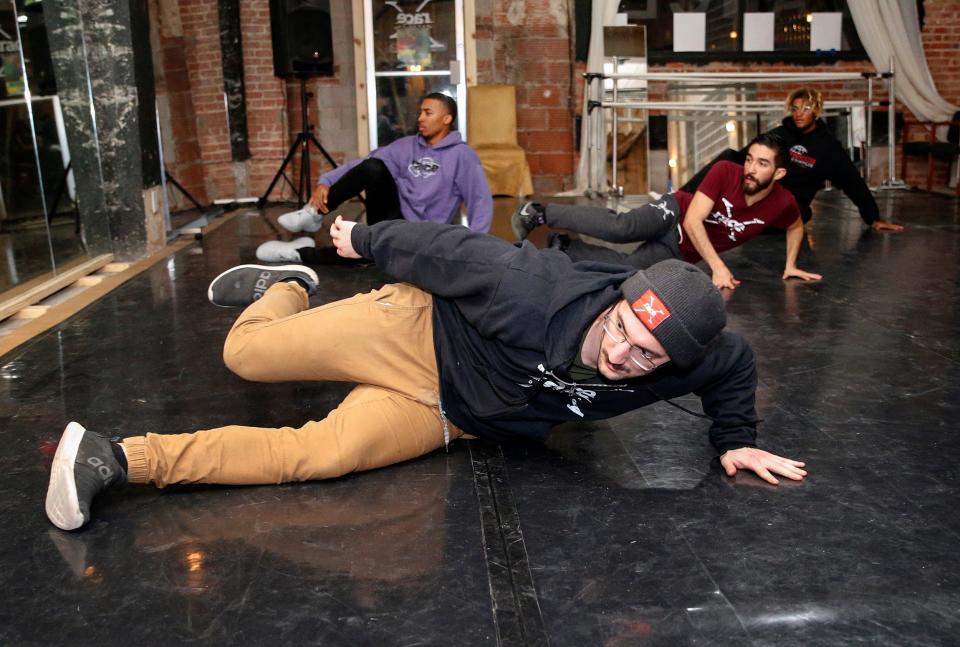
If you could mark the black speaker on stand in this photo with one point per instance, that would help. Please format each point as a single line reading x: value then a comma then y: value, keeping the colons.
x: 302, y: 48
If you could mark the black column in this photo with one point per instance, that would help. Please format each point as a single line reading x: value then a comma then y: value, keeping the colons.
x: 231, y: 55
x: 146, y: 93
x: 102, y: 30
x: 67, y: 51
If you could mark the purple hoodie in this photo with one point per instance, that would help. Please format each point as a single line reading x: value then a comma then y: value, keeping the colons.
x: 433, y: 180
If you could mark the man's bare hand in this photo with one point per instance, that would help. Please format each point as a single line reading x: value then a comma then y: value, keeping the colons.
x: 340, y: 232
x: 723, y: 278
x: 879, y: 225
x: 800, y: 274
x: 763, y: 464
x: 319, y: 198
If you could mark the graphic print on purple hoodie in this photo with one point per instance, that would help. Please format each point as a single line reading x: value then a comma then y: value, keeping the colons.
x: 433, y: 180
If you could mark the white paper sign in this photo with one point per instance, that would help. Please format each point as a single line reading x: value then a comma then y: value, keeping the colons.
x: 826, y: 31
x: 689, y: 32
x: 758, y: 32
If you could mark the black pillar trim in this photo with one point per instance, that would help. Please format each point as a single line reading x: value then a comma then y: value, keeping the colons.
x: 231, y: 56
x: 146, y: 93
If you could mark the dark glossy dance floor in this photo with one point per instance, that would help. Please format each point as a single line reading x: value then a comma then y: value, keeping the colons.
x: 624, y: 532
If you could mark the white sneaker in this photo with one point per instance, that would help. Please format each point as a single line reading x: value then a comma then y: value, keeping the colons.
x: 306, y: 219
x: 654, y: 195
x: 278, y: 251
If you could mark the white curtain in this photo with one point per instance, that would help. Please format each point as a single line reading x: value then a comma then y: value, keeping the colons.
x: 603, y: 12
x: 891, y: 28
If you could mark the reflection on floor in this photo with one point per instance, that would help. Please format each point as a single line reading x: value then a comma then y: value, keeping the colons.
x: 622, y: 532
x: 26, y: 252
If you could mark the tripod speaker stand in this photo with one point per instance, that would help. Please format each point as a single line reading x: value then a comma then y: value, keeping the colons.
x: 303, y: 140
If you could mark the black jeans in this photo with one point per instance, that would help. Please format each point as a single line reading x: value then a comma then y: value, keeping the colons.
x: 383, y: 203
x: 654, y: 224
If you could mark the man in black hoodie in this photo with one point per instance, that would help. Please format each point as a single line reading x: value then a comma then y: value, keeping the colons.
x: 487, y: 339
x: 815, y: 158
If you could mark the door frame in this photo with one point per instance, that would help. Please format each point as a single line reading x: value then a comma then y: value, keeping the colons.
x: 365, y: 78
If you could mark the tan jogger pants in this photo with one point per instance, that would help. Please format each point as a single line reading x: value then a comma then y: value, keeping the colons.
x: 382, y: 340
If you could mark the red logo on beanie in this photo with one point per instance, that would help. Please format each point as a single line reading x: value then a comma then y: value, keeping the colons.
x: 650, y: 310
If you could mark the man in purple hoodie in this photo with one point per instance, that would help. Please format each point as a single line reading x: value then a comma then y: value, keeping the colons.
x: 422, y: 177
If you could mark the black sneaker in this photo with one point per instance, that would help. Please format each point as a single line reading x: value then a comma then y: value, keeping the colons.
x: 244, y: 284
x: 83, y: 466
x: 528, y: 217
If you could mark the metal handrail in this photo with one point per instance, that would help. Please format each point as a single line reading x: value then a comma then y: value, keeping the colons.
x: 596, y: 99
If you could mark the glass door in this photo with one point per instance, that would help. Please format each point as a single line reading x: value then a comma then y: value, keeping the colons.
x: 28, y: 145
x: 413, y: 48
x: 40, y: 221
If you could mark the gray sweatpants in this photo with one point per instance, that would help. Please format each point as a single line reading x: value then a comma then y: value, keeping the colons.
x: 656, y: 225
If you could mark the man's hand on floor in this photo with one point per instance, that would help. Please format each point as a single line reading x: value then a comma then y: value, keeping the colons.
x: 797, y: 273
x: 762, y: 463
x: 723, y: 278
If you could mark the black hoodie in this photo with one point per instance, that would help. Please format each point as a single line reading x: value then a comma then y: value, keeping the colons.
x: 816, y: 157
x: 508, y: 323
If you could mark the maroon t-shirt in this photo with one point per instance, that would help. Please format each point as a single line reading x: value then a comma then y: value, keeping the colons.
x: 732, y: 222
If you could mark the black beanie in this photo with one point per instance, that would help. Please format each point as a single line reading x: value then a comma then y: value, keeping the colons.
x: 679, y: 305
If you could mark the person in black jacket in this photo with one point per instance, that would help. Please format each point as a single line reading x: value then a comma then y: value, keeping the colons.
x: 815, y: 158
x: 487, y: 339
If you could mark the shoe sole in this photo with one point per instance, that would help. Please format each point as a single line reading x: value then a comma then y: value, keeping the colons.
x: 63, y: 508
x: 294, y: 268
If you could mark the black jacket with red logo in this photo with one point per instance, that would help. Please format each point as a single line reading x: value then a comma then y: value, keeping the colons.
x: 508, y: 322
x: 816, y: 157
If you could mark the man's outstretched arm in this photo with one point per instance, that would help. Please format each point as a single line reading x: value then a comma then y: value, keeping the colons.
x: 794, y: 240
x: 445, y: 260
x: 696, y: 213
x: 844, y: 175
x: 472, y: 184
x: 729, y: 398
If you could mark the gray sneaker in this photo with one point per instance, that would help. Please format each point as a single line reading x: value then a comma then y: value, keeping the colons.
x: 244, y: 284
x: 528, y: 217
x: 306, y: 219
x: 278, y: 251
x: 83, y: 467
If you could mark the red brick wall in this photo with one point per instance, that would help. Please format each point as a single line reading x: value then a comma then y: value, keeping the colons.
x: 529, y: 45
x: 941, y: 43
x: 189, y: 77
x: 182, y: 158
x: 201, y: 43
x: 267, y: 129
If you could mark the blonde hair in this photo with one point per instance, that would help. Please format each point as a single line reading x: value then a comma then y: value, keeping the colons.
x: 810, y: 97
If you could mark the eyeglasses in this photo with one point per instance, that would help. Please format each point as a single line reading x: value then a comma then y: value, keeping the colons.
x: 803, y: 109
x: 639, y: 356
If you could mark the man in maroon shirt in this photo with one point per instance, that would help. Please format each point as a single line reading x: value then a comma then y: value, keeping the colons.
x: 732, y: 205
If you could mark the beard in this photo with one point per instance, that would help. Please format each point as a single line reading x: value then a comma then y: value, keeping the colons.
x: 758, y: 188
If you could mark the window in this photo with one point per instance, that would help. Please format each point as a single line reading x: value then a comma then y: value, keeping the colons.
x: 724, y: 33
